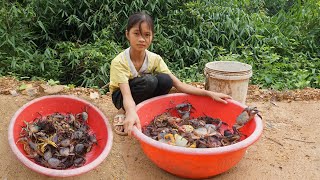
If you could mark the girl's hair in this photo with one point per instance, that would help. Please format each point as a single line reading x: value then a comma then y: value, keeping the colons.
x: 138, y: 18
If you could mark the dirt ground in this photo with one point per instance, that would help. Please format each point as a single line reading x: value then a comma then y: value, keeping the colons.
x: 288, y: 148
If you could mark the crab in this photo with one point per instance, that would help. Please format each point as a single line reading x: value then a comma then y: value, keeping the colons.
x: 176, y: 140
x: 55, y: 117
x: 187, y: 128
x: 78, y: 162
x: 210, y: 120
x: 196, y: 123
x: 201, y: 143
x: 173, y: 122
x: 206, y: 131
x: 83, y: 115
x: 45, y: 142
x: 184, y: 110
x: 213, y: 141
x: 167, y: 138
x: 246, y: 115
x: 161, y: 120
x: 53, y: 163
x: 230, y: 138
x: 29, y: 147
x: 29, y: 130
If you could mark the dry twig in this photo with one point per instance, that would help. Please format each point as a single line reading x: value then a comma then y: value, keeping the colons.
x: 273, y: 140
x: 300, y: 140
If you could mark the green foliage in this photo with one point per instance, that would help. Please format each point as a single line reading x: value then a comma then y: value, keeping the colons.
x: 52, y: 82
x: 86, y: 65
x: 277, y: 72
x: 22, y: 87
x: 74, y: 41
x: 15, y: 35
x: 283, y: 52
x: 190, y: 74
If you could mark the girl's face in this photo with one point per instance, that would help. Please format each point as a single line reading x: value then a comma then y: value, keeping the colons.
x: 140, y: 41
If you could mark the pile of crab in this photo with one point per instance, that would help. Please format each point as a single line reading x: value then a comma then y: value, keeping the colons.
x: 201, y: 132
x: 58, y: 141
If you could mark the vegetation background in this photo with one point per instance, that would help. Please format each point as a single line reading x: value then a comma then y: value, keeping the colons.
x: 74, y: 41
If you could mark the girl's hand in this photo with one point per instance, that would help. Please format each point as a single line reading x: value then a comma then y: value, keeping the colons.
x: 219, y: 97
x: 132, y: 119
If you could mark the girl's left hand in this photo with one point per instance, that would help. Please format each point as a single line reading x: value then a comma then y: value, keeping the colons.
x: 220, y: 97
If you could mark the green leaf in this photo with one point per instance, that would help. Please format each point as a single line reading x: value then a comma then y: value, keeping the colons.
x: 22, y: 87
x: 268, y: 80
x: 52, y: 82
x: 42, y: 26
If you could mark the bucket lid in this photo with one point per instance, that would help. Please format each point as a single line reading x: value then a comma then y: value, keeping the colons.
x: 229, y: 66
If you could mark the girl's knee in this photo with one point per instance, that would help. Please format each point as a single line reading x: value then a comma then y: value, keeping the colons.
x: 151, y: 83
x: 164, y: 80
x: 145, y: 85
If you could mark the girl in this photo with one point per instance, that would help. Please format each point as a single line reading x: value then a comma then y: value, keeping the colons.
x: 137, y: 74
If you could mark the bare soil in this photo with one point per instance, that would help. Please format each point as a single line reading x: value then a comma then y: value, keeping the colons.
x: 288, y: 148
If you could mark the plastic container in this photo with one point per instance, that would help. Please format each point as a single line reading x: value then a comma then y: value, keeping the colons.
x: 229, y: 77
x: 46, y: 105
x: 195, y: 163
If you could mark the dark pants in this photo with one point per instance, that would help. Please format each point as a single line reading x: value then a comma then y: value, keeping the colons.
x: 145, y: 87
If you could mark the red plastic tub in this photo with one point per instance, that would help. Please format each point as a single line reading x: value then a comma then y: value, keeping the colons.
x: 46, y: 105
x: 195, y: 162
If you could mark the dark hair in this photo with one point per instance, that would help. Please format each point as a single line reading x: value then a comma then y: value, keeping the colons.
x: 138, y: 18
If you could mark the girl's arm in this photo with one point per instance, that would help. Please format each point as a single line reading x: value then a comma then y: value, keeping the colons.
x: 129, y: 106
x: 186, y: 88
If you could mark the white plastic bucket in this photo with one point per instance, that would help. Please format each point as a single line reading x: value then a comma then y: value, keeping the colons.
x: 229, y: 77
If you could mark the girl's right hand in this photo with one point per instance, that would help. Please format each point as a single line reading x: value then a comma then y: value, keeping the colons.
x: 220, y: 97
x: 132, y: 119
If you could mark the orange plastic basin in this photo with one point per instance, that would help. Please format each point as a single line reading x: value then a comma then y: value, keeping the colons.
x: 195, y: 162
x: 47, y: 105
